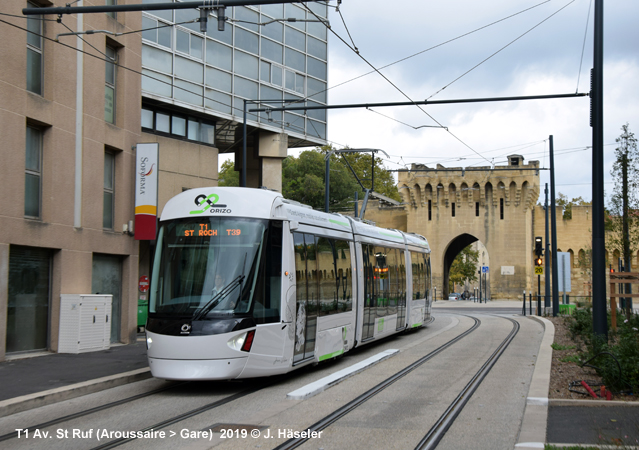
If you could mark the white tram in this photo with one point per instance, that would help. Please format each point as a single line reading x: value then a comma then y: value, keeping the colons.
x: 247, y: 284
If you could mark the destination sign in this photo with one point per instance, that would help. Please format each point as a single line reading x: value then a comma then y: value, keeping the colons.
x: 203, y: 229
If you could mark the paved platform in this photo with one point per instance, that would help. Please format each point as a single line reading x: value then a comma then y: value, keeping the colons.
x: 31, y: 381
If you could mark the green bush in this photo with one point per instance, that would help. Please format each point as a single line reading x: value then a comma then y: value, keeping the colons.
x: 616, y: 360
x: 581, y: 322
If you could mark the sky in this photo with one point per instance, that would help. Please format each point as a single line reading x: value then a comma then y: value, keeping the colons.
x: 544, y: 57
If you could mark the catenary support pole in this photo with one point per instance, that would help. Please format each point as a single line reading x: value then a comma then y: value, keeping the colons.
x: 599, y: 315
x: 553, y: 226
x: 547, y: 256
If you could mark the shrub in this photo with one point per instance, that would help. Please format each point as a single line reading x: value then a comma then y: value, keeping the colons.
x: 616, y: 361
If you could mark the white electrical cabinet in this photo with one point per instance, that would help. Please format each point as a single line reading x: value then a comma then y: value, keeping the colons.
x: 85, y: 323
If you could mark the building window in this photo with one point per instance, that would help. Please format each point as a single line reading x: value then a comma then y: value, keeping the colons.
x: 111, y: 3
x: 109, y: 88
x: 453, y: 208
x: 476, y: 209
x: 430, y: 210
x: 34, y: 53
x: 156, y: 31
x: 179, y: 126
x: 501, y: 208
x: 109, y: 191
x: 33, y: 173
x: 188, y: 43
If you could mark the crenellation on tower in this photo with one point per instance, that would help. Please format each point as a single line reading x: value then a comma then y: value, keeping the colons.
x: 492, y: 204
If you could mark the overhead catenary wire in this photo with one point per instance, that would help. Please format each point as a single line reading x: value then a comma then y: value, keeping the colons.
x: 431, y: 48
x: 393, y: 84
x: 583, y: 46
x: 502, y: 48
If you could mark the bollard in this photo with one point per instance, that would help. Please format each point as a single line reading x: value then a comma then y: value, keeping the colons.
x: 523, y: 309
x: 538, y: 304
x: 530, y: 301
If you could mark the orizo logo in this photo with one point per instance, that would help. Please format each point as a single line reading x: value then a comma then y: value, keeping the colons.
x: 204, y: 202
x: 186, y: 328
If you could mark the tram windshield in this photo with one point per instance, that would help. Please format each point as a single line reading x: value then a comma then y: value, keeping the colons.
x: 207, y: 267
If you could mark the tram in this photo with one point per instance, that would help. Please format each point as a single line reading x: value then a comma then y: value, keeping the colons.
x: 246, y: 283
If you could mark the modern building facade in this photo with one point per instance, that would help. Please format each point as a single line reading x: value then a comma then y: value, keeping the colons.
x: 69, y: 128
x: 72, y: 111
x: 195, y: 84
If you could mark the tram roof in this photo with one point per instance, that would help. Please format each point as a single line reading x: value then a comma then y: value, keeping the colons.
x: 221, y: 202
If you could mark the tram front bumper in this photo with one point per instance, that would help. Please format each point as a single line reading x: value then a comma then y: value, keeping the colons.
x: 199, y: 369
x: 194, y: 357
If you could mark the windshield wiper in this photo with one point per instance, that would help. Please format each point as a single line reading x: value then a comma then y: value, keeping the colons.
x: 217, y: 298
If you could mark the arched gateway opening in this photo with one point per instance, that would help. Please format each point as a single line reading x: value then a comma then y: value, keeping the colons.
x: 453, y: 249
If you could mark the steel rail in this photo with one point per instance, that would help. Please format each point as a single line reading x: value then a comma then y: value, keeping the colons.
x: 194, y: 412
x: 86, y: 412
x: 436, y: 433
x: 339, y: 413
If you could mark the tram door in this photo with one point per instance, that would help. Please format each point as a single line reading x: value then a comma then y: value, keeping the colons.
x: 400, y: 293
x: 306, y: 302
x: 370, y: 296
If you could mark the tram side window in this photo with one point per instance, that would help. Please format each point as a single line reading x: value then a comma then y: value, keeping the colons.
x: 368, y: 252
x: 312, y: 304
x: 333, y: 276
x: 267, y: 306
x: 300, y: 267
x: 307, y: 272
x: 428, y: 275
x: 381, y: 280
x: 326, y: 279
x: 393, y: 281
x: 402, y: 279
x: 344, y: 282
x: 417, y: 263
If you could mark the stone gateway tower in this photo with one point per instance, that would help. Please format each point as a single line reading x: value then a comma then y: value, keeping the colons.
x: 454, y: 207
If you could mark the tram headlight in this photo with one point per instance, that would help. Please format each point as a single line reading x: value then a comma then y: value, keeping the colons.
x: 242, y: 342
x: 149, y: 342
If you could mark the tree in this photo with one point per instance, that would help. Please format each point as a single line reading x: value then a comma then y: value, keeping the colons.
x: 567, y: 205
x: 303, y: 180
x: 464, y: 266
x: 623, y: 221
x: 227, y: 175
x: 384, y: 181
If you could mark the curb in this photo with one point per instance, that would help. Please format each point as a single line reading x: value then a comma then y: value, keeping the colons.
x: 38, y: 399
x: 590, y: 403
x: 532, y: 434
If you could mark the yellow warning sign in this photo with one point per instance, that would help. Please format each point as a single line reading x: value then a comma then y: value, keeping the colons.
x: 539, y: 270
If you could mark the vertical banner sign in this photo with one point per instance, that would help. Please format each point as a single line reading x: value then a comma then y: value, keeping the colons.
x: 563, y: 266
x: 146, y: 191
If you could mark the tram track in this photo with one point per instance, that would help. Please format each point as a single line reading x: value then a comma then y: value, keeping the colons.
x: 436, y: 433
x: 180, y: 417
x: 175, y: 419
x: 354, y: 404
x: 94, y: 410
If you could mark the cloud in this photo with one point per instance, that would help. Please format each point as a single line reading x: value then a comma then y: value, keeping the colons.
x: 545, y: 61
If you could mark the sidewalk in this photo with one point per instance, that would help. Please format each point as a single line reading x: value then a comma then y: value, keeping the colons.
x: 34, y: 381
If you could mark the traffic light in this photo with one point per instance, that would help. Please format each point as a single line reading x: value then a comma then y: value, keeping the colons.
x: 539, y: 250
x: 539, y: 261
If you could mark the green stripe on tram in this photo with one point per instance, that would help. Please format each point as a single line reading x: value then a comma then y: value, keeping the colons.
x: 331, y: 355
x: 337, y: 222
x: 415, y: 325
x: 392, y: 236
